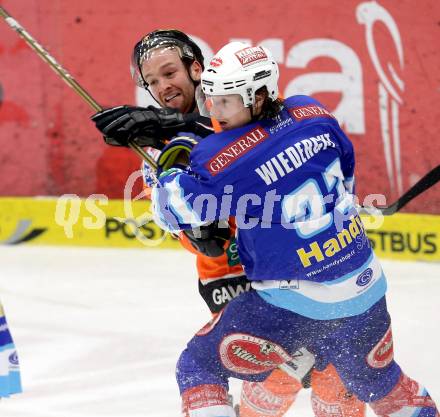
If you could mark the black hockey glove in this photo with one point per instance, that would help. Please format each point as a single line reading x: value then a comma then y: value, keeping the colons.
x: 209, y: 239
x: 148, y: 126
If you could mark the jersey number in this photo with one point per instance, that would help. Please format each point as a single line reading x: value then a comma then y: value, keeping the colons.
x: 305, y: 206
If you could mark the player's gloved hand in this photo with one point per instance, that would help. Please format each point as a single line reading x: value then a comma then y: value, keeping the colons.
x: 145, y: 126
x: 176, y: 153
x: 209, y: 239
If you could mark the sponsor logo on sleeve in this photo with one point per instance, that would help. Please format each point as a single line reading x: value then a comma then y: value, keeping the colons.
x: 260, y: 399
x: 250, y: 55
x: 202, y: 397
x: 323, y: 408
x: 235, y: 150
x: 308, y: 112
x: 246, y: 354
x: 383, y: 353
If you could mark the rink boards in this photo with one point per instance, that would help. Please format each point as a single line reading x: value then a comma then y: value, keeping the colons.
x: 97, y: 221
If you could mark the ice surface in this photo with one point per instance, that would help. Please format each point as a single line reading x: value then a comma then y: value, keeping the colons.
x: 98, y: 331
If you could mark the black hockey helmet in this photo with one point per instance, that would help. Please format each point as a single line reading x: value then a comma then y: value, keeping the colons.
x: 189, y: 51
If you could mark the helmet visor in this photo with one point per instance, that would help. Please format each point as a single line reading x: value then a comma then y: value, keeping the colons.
x: 228, y: 110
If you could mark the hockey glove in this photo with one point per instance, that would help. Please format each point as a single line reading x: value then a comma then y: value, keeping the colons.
x: 148, y: 126
x: 209, y: 239
x: 176, y: 153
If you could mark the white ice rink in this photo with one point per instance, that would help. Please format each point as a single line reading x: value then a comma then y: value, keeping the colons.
x: 98, y: 331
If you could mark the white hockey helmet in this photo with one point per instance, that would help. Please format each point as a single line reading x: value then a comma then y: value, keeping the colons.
x: 239, y: 68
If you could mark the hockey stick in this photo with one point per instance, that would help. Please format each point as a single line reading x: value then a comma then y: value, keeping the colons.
x: 430, y: 179
x: 71, y: 82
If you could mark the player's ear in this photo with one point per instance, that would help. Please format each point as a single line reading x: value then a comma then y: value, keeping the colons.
x: 195, y: 71
x: 260, y: 97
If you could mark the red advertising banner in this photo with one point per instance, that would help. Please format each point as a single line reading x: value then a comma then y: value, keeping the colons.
x: 374, y: 64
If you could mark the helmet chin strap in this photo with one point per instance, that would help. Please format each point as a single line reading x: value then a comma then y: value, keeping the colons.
x: 154, y: 98
x: 198, y: 94
x: 194, y: 107
x: 254, y: 117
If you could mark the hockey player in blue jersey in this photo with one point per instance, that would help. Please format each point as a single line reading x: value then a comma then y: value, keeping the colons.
x: 10, y: 379
x: 169, y: 65
x: 285, y: 170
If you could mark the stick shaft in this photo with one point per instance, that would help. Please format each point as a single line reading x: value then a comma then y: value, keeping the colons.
x: 426, y: 182
x: 71, y: 82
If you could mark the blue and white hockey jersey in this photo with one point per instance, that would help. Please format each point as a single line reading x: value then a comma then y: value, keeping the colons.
x: 289, y: 182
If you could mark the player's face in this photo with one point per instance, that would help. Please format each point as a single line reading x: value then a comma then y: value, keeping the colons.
x: 168, y: 79
x: 229, y: 110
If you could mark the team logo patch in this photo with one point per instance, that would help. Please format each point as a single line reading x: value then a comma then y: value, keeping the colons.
x: 364, y: 278
x: 308, y: 112
x: 235, y: 150
x: 216, y: 62
x: 13, y: 358
x: 210, y: 325
x: 246, y: 354
x: 232, y: 253
x: 250, y: 55
x: 382, y: 354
